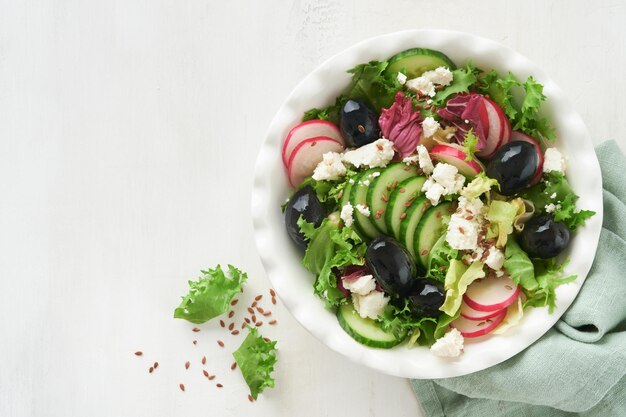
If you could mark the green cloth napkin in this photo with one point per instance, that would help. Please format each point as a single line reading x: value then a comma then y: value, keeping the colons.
x: 579, y: 366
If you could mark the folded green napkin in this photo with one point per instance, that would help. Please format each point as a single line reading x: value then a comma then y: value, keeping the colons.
x: 579, y: 366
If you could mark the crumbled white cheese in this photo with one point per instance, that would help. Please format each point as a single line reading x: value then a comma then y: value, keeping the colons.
x: 433, y: 191
x: 412, y: 159
x: 449, y: 346
x: 361, y: 286
x: 346, y: 214
x: 375, y: 174
x: 330, y: 168
x: 401, y: 78
x: 375, y: 154
x: 553, y: 196
x: 351, y: 180
x: 422, y: 85
x: 371, y: 305
x: 364, y: 210
x: 426, y: 164
x: 471, y: 206
x: 551, y: 208
x: 440, y: 76
x: 448, y: 176
x: 499, y: 273
x: 553, y: 161
x: 465, y: 224
x: 430, y: 126
x: 495, y: 258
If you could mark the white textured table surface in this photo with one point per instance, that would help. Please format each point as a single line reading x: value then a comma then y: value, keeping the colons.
x: 128, y: 134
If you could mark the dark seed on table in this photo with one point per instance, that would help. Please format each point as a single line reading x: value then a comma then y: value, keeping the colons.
x: 138, y: 353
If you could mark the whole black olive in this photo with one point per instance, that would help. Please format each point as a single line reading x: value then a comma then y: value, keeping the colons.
x: 303, y: 203
x: 427, y: 297
x: 392, y: 266
x: 543, y: 237
x: 514, y: 165
x: 358, y: 123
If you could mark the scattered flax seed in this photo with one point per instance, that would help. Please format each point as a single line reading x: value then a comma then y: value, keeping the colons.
x: 254, y: 303
x: 408, y: 204
x: 219, y: 385
x: 395, y: 183
x: 211, y: 377
x: 273, y: 322
x: 407, y: 168
x: 340, y: 194
x: 195, y: 329
x: 234, y: 302
x: 250, y: 398
x: 462, y: 230
x: 378, y: 216
x: 138, y: 353
x: 156, y: 365
x: 258, y: 324
x: 219, y: 342
x: 273, y: 300
x: 482, y: 323
x: 267, y: 339
x: 247, y: 320
x: 203, y: 360
x: 205, y: 373
x: 182, y: 387
x: 222, y: 323
x: 402, y: 190
x: 272, y: 292
x: 151, y: 369
x: 469, y: 218
x: 384, y: 198
x: 442, y: 268
x: 258, y: 297
x: 267, y: 313
x: 253, y: 318
x: 233, y: 366
x: 231, y: 314
x: 187, y: 365
x: 235, y: 332
x: 195, y: 342
x: 439, y: 214
x: 489, y: 321
x: 250, y: 310
x: 231, y: 326
x: 260, y: 310
x: 424, y: 252
x: 403, y: 215
x: 508, y: 287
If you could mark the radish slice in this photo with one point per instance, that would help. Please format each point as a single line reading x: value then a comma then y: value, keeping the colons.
x: 519, y: 136
x: 307, y: 130
x: 491, y: 293
x: 307, y: 155
x: 454, y: 155
x: 471, y: 314
x: 499, y: 129
x: 476, y: 328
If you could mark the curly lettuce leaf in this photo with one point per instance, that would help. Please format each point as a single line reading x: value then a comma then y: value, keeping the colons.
x: 401, y: 321
x: 458, y: 278
x: 502, y: 214
x: 462, y: 80
x: 469, y: 145
x: 479, y: 186
x: 519, y: 266
x: 369, y: 82
x: 330, y: 247
x: 331, y: 113
x: 256, y: 358
x: 439, y: 258
x: 500, y: 90
x: 548, y: 273
x: 211, y: 294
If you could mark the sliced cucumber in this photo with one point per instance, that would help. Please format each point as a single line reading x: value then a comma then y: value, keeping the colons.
x: 358, y: 195
x: 430, y: 229
x: 381, y: 188
x: 407, y: 228
x: 345, y: 195
x: 400, y: 200
x: 365, y: 331
x: 414, y: 62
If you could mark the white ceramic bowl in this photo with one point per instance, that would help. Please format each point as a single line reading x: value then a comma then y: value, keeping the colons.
x: 281, y: 258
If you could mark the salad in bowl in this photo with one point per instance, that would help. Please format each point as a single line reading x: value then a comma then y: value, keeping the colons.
x: 430, y: 202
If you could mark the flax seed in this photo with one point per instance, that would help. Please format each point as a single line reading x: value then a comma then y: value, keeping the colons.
x: 439, y: 214
x: 267, y: 313
x: 424, y: 208
x: 203, y: 360
x: 233, y: 366
x: 260, y: 310
x: 222, y: 323
x: 235, y: 332
x: 195, y: 342
x: 187, y: 365
x: 247, y: 320
x: 272, y: 322
x: 211, y: 377
x: 250, y: 310
x: 394, y: 184
x: 219, y: 342
x: 469, y: 218
x: 424, y: 252
x: 408, y: 203
x: 403, y: 216
x: 402, y: 190
x: 389, y: 188
x: 462, y: 230
x: 231, y: 326
x: 508, y: 287
x: 195, y: 329
x: 250, y: 398
x: 231, y: 314
x: 151, y: 369
x: 443, y: 268
x: 234, y: 302
x: 384, y: 198
x: 156, y: 365
x: 258, y: 297
x: 219, y: 385
x: 407, y: 168
x: 489, y: 321
x: 482, y: 323
x: 340, y: 194
x: 258, y: 324
x: 253, y: 318
x: 378, y: 216
x: 273, y: 301
x: 182, y: 387
x: 267, y: 339
x: 205, y: 373
x: 272, y: 292
x: 253, y: 304
x: 138, y: 353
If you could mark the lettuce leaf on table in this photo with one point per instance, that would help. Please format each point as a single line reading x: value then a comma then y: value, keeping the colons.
x: 211, y: 294
x: 256, y: 358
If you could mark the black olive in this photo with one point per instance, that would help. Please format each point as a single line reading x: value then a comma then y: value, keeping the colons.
x: 392, y: 266
x: 427, y: 297
x: 359, y: 123
x: 303, y: 203
x: 514, y: 165
x: 543, y: 237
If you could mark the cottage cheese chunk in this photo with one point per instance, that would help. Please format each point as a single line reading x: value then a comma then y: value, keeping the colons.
x: 495, y: 258
x: 422, y: 85
x: 376, y: 154
x: 440, y: 76
x: 331, y: 168
x: 553, y: 161
x: 361, y: 286
x: 465, y: 225
x: 346, y: 214
x: 449, y: 346
x: 430, y: 126
x: 364, y: 210
x: 371, y: 305
x: 401, y: 78
x: 423, y: 158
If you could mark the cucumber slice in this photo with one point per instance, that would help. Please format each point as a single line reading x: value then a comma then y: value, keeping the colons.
x: 414, y: 62
x: 358, y: 195
x: 430, y: 229
x: 365, y: 331
x: 345, y: 196
x: 407, y: 228
x: 400, y: 200
x: 381, y: 188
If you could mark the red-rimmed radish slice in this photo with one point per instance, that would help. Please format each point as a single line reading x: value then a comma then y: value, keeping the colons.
x: 471, y: 314
x: 491, y: 293
x: 519, y: 136
x: 308, y: 130
x: 453, y: 154
x: 476, y: 328
x: 307, y: 155
x: 499, y: 129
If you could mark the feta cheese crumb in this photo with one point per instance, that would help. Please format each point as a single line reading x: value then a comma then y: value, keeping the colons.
x: 411, y: 159
x: 553, y: 161
x: 422, y: 85
x: 551, y: 208
x: 499, y: 273
x: 330, y: 168
x: 364, y: 210
x: 401, y: 78
x: 430, y: 126
x: 465, y: 224
x: 449, y: 346
x: 448, y: 176
x: 433, y: 191
x: 440, y: 76
x: 371, y: 305
x: 346, y: 214
x: 361, y: 286
x: 426, y: 164
x: 553, y: 196
x: 495, y: 258
x: 375, y: 174
x: 375, y: 154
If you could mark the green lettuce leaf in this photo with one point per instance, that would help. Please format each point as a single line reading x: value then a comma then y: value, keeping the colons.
x: 331, y: 113
x: 256, y: 358
x: 502, y: 214
x: 439, y: 258
x: 462, y: 80
x: 371, y: 84
x: 211, y: 294
x: 500, y: 90
x: 469, y: 145
x: 458, y: 278
x: 330, y: 247
x: 402, y: 321
x: 443, y: 322
x: 529, y: 120
x: 479, y: 185
x: 549, y: 277
x: 519, y: 266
